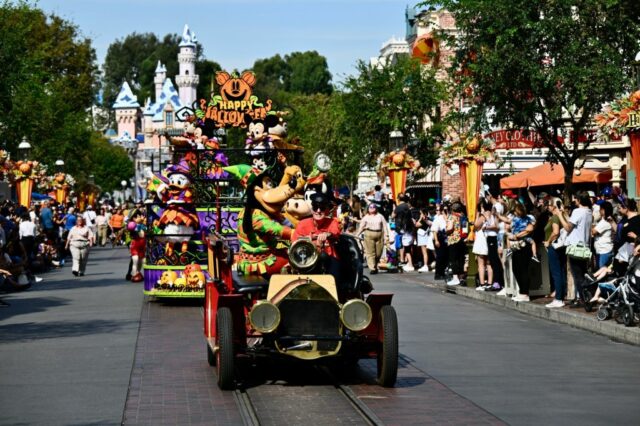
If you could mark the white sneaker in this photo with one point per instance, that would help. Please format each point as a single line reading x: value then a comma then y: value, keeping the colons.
x: 425, y: 268
x: 408, y: 268
x: 520, y: 298
x: 38, y: 279
x: 481, y: 288
x: 555, y: 304
x: 502, y: 292
x: 433, y: 265
x: 453, y: 281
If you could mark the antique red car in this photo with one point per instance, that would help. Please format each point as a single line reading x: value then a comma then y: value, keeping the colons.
x: 302, y: 314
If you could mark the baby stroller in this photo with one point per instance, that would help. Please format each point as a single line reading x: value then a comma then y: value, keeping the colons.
x: 623, y: 295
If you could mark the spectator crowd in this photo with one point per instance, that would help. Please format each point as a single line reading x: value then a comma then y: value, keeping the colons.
x: 47, y: 235
x: 509, y: 232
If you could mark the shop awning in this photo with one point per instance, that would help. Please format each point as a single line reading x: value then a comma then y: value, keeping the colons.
x: 548, y: 174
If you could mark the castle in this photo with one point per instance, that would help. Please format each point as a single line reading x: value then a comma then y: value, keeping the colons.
x: 143, y: 132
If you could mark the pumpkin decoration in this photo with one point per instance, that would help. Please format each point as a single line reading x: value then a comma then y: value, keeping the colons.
x: 25, y: 167
x: 398, y: 159
x: 473, y: 146
x: 465, y: 148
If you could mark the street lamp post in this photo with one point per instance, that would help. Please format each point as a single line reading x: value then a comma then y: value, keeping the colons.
x: 24, y: 149
x: 636, y: 70
x: 396, y: 139
x: 123, y: 183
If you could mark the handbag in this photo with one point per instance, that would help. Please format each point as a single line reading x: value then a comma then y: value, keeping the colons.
x: 579, y: 251
x: 561, y: 240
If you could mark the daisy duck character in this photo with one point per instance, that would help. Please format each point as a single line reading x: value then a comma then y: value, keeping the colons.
x: 179, y: 220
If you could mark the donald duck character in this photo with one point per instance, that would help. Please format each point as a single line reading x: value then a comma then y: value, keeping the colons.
x: 179, y: 220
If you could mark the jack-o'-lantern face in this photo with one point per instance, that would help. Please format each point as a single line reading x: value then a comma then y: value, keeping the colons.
x: 167, y: 277
x: 195, y: 278
x: 235, y: 89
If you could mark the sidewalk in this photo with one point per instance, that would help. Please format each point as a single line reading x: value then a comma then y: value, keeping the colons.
x: 574, y: 317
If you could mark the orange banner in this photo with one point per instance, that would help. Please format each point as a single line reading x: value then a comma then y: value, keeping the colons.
x: 398, y: 180
x: 61, y: 195
x: 471, y: 176
x: 24, y: 187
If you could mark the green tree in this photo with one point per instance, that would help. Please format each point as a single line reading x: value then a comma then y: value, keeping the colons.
x: 110, y: 164
x: 320, y: 123
x: 400, y: 95
x: 48, y: 84
x: 547, y: 66
x: 307, y: 74
x: 278, y: 77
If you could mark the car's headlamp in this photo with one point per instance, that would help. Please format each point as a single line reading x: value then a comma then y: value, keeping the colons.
x: 264, y: 316
x: 355, y: 315
x: 303, y: 255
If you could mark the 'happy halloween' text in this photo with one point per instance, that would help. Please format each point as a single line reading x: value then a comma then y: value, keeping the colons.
x: 232, y: 113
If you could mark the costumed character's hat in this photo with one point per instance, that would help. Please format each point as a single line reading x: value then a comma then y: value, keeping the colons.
x: 245, y: 173
x: 182, y: 167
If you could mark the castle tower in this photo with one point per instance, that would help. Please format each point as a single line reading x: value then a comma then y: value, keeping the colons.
x: 158, y: 80
x: 126, y: 107
x: 187, y: 79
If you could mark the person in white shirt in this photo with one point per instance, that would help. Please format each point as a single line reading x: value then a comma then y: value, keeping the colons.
x: 579, y: 232
x: 438, y: 229
x: 603, y: 235
x: 102, y: 226
x: 90, y: 218
x: 27, y: 232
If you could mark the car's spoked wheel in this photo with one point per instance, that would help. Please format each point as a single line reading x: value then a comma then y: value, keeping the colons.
x: 388, y: 353
x: 225, y: 355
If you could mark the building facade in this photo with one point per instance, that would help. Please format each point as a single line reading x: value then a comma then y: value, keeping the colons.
x: 144, y: 131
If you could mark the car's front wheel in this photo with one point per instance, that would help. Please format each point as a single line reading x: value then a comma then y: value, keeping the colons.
x: 388, y: 352
x: 225, y: 355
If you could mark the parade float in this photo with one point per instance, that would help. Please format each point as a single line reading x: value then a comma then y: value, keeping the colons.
x: 201, y: 194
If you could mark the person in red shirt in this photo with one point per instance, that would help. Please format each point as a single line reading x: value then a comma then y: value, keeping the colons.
x: 325, y: 229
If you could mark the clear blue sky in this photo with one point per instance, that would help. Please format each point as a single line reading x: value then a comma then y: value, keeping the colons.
x: 235, y: 33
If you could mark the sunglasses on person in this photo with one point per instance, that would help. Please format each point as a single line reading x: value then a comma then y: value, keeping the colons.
x: 319, y: 207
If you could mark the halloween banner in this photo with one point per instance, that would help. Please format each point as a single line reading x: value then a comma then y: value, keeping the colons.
x: 236, y: 105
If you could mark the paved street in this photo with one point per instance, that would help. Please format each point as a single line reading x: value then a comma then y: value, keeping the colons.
x: 67, y: 349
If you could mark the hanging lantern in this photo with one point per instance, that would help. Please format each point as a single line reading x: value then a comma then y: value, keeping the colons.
x: 426, y: 48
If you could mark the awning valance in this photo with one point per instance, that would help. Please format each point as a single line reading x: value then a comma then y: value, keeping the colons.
x: 552, y: 174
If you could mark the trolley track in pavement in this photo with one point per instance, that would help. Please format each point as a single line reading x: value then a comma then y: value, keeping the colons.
x: 300, y: 395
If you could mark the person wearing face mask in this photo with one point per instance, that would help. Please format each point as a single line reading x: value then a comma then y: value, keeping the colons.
x: 578, y: 229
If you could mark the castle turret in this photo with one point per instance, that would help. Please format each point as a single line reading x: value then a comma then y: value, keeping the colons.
x: 187, y: 80
x: 126, y: 107
x: 158, y: 80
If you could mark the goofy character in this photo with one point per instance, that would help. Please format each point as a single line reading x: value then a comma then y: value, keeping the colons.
x: 261, y: 228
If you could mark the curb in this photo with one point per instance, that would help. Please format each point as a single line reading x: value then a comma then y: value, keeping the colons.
x: 609, y: 328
